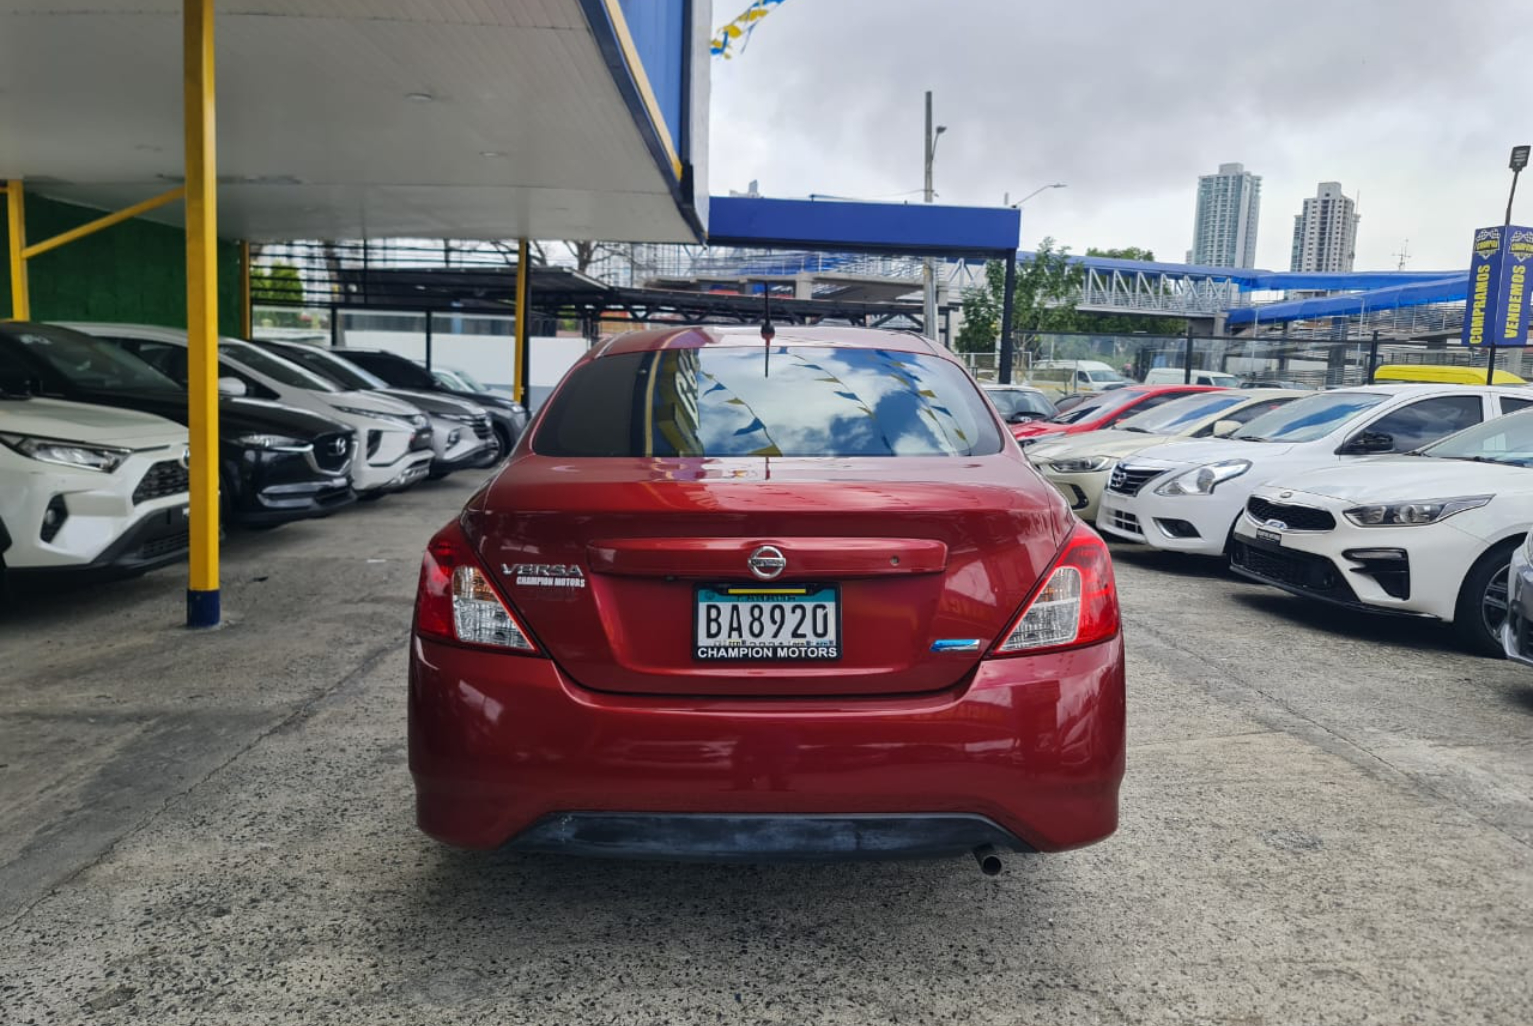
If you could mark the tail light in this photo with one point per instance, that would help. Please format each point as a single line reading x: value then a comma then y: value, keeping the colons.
x: 1077, y: 604
x: 456, y: 601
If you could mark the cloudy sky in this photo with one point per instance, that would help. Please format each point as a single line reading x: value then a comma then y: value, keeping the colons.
x: 1413, y: 103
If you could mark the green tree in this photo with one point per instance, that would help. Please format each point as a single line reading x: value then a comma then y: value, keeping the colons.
x: 1043, y: 300
x: 279, y: 284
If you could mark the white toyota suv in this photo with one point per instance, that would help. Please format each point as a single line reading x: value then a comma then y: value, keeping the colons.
x: 1186, y: 496
x: 88, y: 489
x: 1429, y: 533
x: 394, y: 438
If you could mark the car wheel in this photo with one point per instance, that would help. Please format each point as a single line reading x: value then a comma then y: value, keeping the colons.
x: 1482, y: 601
x: 503, y: 444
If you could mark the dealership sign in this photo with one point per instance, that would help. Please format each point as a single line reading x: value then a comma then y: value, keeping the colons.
x: 1498, y: 309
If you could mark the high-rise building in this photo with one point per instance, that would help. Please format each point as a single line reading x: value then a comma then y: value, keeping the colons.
x: 1224, y: 232
x: 1325, y: 234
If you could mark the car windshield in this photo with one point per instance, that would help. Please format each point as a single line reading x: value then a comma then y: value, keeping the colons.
x: 396, y: 370
x: 1096, y: 406
x: 1305, y: 420
x: 90, y: 362
x: 1103, y: 377
x: 473, y: 383
x: 1506, y: 439
x: 1180, y: 413
x: 800, y: 401
x: 342, y: 372
x: 285, y: 372
x: 1012, y: 401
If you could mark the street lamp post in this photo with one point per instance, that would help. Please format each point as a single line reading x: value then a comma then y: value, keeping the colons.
x: 1518, y: 162
x: 1008, y: 347
x: 928, y: 267
x: 1042, y: 188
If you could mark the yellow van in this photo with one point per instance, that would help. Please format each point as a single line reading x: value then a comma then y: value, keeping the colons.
x: 1441, y: 374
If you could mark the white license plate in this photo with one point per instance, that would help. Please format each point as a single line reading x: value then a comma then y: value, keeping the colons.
x: 1269, y: 536
x: 744, y: 623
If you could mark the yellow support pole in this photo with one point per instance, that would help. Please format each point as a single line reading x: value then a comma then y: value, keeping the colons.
x: 519, y: 378
x: 245, y: 316
x: 16, y: 218
x: 202, y: 596
x: 63, y: 238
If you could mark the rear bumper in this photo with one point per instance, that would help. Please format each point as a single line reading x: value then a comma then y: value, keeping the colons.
x: 506, y: 750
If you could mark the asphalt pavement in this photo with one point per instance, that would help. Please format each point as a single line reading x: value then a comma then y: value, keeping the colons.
x: 1328, y: 818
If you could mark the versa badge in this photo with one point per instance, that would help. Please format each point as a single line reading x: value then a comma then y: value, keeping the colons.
x: 545, y: 575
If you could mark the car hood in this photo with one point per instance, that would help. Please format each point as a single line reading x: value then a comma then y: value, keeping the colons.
x: 86, y: 422
x: 246, y: 415
x: 1399, y: 478
x: 1110, y: 442
x: 372, y: 402
x: 435, y: 402
x: 1213, y: 450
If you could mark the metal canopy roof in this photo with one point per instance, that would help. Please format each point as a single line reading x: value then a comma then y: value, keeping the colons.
x: 371, y: 118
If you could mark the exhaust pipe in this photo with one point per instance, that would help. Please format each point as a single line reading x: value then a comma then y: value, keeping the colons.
x: 989, y: 859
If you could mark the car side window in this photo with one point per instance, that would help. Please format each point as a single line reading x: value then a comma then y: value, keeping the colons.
x: 1428, y: 420
x: 1511, y: 405
x: 169, y: 360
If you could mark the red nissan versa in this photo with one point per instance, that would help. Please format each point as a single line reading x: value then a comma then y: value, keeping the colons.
x: 1103, y: 411
x: 740, y: 600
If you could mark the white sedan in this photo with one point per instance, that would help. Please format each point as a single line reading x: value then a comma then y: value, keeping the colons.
x: 1426, y: 534
x: 1186, y: 496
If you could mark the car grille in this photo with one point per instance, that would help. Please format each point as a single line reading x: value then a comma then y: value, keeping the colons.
x: 1129, y: 480
x: 332, y: 452
x: 482, y: 429
x: 167, y: 477
x: 165, y: 544
x: 1298, y: 518
x: 1295, y: 569
x: 1123, y: 521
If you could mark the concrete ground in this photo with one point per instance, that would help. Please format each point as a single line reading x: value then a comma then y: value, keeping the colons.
x: 1327, y: 819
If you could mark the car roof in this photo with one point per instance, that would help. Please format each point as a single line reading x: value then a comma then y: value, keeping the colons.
x: 697, y: 337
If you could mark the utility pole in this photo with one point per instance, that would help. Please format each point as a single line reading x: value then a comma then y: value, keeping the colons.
x: 928, y: 265
x: 1403, y: 255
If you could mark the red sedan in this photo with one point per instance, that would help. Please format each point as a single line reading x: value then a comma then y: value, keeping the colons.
x: 746, y: 600
x: 1103, y: 411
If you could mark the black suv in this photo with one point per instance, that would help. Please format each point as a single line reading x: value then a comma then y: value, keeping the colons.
x: 506, y: 415
x: 275, y: 463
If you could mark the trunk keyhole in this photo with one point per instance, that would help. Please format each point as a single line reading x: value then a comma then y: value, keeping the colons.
x: 894, y: 561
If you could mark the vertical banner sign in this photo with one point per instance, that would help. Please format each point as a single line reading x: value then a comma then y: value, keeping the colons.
x: 1499, y: 290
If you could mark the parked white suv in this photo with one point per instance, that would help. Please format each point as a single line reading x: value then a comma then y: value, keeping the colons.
x: 1185, y: 496
x: 1427, y: 534
x: 1517, y: 636
x: 89, y: 488
x: 393, y: 437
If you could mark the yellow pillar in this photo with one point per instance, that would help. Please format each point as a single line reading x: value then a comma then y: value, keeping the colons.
x: 16, y: 218
x: 519, y: 377
x: 202, y: 598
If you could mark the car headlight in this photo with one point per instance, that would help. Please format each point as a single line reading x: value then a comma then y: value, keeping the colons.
x: 1407, y: 514
x: 104, y: 458
x: 394, y: 418
x: 279, y: 443
x: 1082, y: 464
x: 1203, y: 480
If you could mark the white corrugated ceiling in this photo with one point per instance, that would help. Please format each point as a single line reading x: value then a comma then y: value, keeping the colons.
x: 524, y: 133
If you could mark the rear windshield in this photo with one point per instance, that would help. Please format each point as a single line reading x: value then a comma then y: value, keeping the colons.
x: 1309, y: 418
x: 1178, y: 413
x: 768, y: 401
x: 1097, y: 406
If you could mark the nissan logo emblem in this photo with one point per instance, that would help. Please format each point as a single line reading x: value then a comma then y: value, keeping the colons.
x: 767, y: 562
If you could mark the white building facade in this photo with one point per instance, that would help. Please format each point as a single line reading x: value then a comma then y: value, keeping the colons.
x: 1325, y: 233
x: 1229, y: 206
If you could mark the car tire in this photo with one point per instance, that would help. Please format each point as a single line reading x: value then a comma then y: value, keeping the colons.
x: 1483, y: 589
x: 504, y: 441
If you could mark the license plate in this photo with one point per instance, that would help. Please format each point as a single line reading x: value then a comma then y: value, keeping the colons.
x: 743, y: 623
x: 1269, y: 536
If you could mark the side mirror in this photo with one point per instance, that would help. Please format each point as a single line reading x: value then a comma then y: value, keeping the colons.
x: 1225, y: 428
x: 1367, y: 443
x: 232, y: 387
